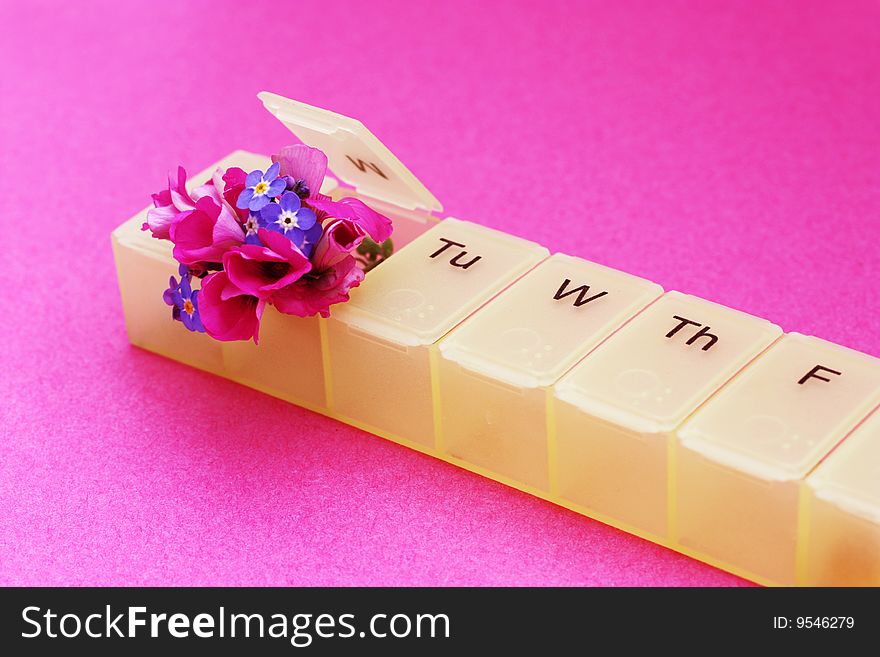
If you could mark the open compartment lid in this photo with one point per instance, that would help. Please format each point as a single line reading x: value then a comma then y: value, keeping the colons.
x: 354, y: 153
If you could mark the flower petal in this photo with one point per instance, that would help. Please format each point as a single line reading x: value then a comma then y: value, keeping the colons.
x: 257, y: 202
x: 339, y: 239
x: 182, y: 201
x: 306, y: 218
x: 244, y: 198
x: 270, y: 214
x: 260, y: 270
x: 210, y: 190
x: 304, y: 163
x: 377, y: 226
x: 314, y: 295
x: 290, y: 202
x: 168, y: 295
x: 234, y: 176
x: 276, y: 187
x: 180, y: 184
x: 196, y: 317
x: 159, y: 221
x: 161, y: 198
x: 227, y: 230
x: 234, y: 318
x: 204, y: 234
x: 272, y: 172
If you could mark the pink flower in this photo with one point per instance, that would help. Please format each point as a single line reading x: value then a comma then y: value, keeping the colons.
x: 226, y: 312
x: 315, y: 292
x: 160, y: 216
x: 205, y: 233
x: 334, y: 270
x: 334, y: 273
x: 171, y: 202
x: 365, y: 220
x: 233, y: 181
x: 261, y: 270
x: 164, y: 210
x: 304, y: 167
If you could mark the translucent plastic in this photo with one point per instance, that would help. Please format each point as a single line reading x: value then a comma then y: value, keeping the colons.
x: 737, y: 485
x: 842, y: 533
x: 616, y: 411
x: 507, y: 354
x: 288, y: 363
x: 355, y: 155
x: 144, y: 265
x: 143, y: 274
x: 406, y: 304
x: 743, y: 454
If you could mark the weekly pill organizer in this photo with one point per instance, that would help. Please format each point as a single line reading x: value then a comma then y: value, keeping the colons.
x: 698, y: 427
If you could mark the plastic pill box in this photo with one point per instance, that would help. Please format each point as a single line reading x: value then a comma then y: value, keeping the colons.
x: 699, y: 427
x: 841, y: 532
x: 743, y: 455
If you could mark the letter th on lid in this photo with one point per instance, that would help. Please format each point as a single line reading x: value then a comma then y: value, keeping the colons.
x: 616, y: 410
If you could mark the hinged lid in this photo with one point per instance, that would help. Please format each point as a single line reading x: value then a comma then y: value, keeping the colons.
x: 355, y: 154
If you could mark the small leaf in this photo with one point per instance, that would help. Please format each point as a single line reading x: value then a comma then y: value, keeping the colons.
x: 368, y: 247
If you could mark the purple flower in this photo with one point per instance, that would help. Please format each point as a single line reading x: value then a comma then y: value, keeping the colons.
x: 307, y: 239
x: 184, y: 301
x: 286, y: 215
x: 260, y: 188
x: 251, y: 226
x: 290, y: 218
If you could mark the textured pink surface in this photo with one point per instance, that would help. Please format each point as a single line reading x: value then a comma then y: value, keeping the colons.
x: 727, y: 150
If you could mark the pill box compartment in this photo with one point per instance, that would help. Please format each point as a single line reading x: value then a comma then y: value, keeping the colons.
x: 382, y: 343
x: 617, y: 410
x: 288, y: 361
x: 496, y: 369
x: 842, y: 521
x: 740, y: 459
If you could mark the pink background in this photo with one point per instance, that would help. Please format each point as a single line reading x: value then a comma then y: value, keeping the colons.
x: 730, y: 150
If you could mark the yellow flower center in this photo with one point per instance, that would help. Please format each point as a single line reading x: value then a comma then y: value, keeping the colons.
x: 188, y: 307
x: 261, y: 188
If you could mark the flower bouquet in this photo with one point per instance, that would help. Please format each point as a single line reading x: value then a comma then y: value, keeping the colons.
x: 264, y: 238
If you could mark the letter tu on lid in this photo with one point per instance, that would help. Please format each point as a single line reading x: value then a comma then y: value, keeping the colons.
x: 380, y: 342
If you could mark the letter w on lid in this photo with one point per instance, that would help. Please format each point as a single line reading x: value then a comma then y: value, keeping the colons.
x: 581, y: 291
x: 548, y: 320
